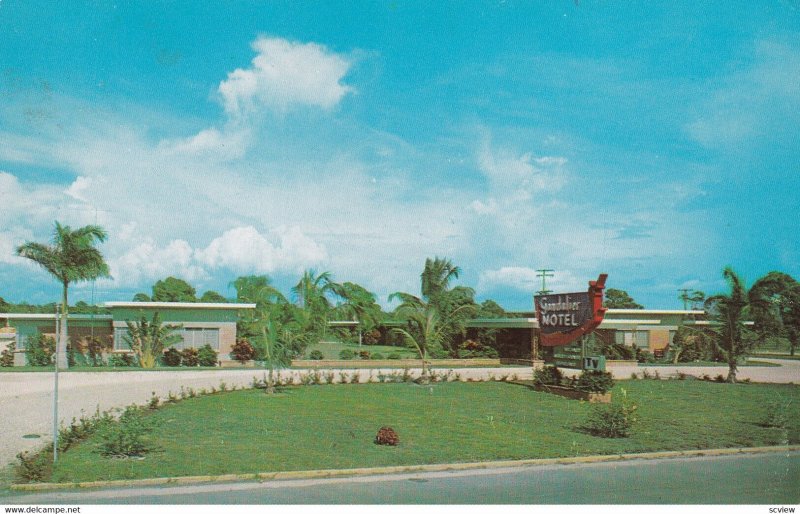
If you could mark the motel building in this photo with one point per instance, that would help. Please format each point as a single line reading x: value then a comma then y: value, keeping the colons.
x: 215, y: 324
x: 200, y: 324
x: 648, y: 329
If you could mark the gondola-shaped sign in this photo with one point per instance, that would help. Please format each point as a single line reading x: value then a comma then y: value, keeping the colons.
x: 565, y: 317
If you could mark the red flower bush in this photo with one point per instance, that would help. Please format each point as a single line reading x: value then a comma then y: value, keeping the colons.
x: 387, y: 435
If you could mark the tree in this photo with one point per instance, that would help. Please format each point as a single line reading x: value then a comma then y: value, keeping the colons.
x: 491, y: 309
x: 728, y: 311
x: 213, y: 297
x: 148, y: 339
x: 775, y: 305
x: 424, y: 332
x: 619, y: 299
x: 276, y: 353
x: 141, y: 297
x: 453, y: 306
x: 71, y: 257
x: 311, y: 295
x: 436, y: 277
x: 4, y: 305
x: 359, y: 305
x: 173, y: 289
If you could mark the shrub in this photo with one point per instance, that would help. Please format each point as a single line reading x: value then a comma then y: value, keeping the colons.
x: 372, y: 336
x: 387, y: 436
x: 612, y: 421
x: 121, y: 360
x: 172, y: 357
x: 34, y: 467
x: 594, y: 381
x: 363, y: 355
x: 95, y: 347
x: 243, y: 351
x: 395, y: 356
x: 207, y: 356
x: 7, y: 356
x: 127, y: 437
x: 316, y: 355
x: 40, y: 350
x: 777, y: 415
x: 548, y: 375
x: 347, y: 354
x: 377, y: 356
x: 190, y: 357
x: 470, y: 349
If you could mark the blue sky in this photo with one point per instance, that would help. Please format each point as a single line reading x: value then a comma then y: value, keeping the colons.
x: 654, y: 141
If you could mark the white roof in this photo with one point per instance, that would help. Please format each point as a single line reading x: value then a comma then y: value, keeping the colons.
x: 178, y: 305
x: 653, y: 311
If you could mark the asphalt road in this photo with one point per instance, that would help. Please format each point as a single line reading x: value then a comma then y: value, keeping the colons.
x: 732, y: 479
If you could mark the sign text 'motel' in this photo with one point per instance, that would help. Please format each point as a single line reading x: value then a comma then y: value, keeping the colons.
x: 565, y: 317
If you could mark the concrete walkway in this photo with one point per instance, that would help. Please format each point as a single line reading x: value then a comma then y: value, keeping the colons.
x: 26, y: 399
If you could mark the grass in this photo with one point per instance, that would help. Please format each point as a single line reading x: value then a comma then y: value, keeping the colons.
x: 331, y: 350
x: 317, y: 427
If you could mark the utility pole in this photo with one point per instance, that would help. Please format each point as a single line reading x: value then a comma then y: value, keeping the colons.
x: 544, y: 274
x: 55, y: 390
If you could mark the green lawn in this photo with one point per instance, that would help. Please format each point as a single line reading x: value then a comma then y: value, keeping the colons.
x: 333, y: 426
x: 331, y: 350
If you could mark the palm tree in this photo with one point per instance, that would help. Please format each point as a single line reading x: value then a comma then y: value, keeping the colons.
x: 453, y: 306
x: 775, y: 305
x: 359, y: 305
x: 729, y: 311
x: 71, y: 257
x: 436, y: 277
x: 310, y: 293
x: 148, y: 339
x: 277, y: 354
x: 424, y: 332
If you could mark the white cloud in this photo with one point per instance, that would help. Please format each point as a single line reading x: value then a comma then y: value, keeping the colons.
x: 760, y: 102
x: 484, y: 208
x: 284, y: 74
x: 78, y: 189
x: 245, y: 250
x: 525, y: 279
x: 146, y: 262
x: 521, y: 175
x: 229, y: 143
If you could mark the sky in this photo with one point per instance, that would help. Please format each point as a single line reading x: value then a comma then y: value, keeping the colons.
x: 657, y: 142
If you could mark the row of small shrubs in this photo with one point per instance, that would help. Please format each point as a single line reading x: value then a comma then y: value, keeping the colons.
x: 348, y: 354
x: 590, y: 381
x: 191, y: 357
x: 128, y: 435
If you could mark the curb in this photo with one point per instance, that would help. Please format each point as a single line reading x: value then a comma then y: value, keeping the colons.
x: 331, y: 473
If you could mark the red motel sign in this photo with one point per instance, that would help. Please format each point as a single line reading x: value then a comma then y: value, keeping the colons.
x: 565, y: 317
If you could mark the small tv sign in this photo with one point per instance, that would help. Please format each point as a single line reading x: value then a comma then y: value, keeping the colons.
x: 564, y: 317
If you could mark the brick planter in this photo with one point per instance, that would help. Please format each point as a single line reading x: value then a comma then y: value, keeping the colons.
x: 574, y: 394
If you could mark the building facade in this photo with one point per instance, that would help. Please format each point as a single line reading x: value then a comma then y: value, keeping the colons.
x: 197, y: 324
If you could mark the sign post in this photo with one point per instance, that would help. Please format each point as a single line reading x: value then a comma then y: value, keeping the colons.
x: 566, y: 317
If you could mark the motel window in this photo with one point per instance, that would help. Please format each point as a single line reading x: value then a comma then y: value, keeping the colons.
x: 197, y: 338
x: 640, y: 338
x: 119, y: 339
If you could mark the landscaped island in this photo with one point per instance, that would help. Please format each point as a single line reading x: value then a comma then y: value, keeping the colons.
x: 334, y: 426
